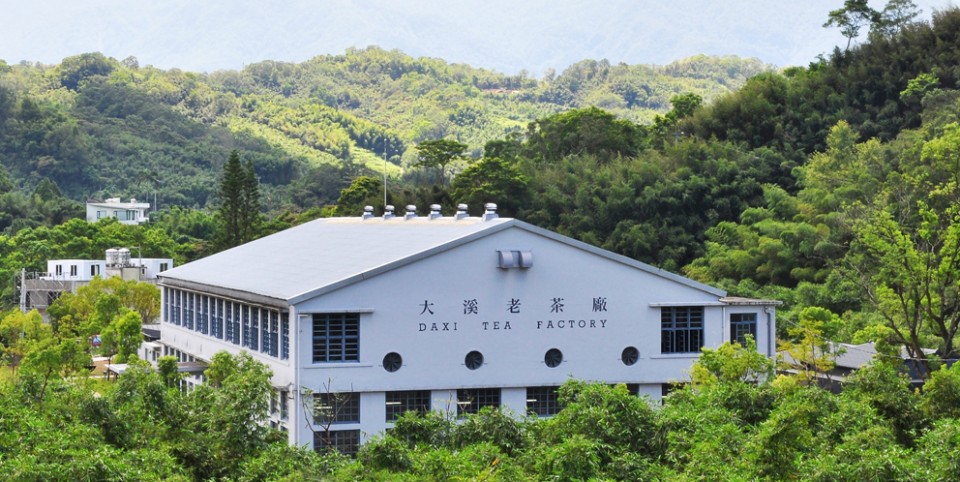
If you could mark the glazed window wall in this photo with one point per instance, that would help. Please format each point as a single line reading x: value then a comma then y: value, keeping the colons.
x: 259, y: 329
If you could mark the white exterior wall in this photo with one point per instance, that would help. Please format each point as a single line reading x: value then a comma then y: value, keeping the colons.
x: 67, y: 266
x: 433, y: 347
x: 83, y: 268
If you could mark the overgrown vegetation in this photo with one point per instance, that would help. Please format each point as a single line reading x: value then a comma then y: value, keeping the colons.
x: 832, y: 187
x: 735, y: 421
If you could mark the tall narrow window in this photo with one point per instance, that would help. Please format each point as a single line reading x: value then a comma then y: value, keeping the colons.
x: 336, y: 337
x: 264, y: 331
x: 254, y: 328
x: 228, y: 320
x: 245, y: 313
x: 205, y: 315
x: 282, y: 402
x: 681, y: 329
x: 236, y: 323
x: 177, y: 297
x: 73, y: 270
x: 741, y: 325
x: 218, y: 320
x: 166, y: 304
x: 188, y: 312
x: 274, y: 333
x: 284, y: 335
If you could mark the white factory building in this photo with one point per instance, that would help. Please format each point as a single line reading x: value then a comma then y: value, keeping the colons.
x: 371, y: 316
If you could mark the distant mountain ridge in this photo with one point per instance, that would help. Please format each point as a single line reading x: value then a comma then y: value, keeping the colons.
x: 99, y: 126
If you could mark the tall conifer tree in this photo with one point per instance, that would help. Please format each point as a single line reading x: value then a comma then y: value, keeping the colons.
x: 239, y: 197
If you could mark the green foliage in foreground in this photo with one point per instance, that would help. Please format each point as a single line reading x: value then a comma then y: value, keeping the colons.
x: 734, y: 421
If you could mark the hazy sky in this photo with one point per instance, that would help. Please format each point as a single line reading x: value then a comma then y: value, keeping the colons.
x: 506, y: 35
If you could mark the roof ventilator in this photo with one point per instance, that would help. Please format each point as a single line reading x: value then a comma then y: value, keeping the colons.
x: 435, y: 211
x: 461, y: 211
x: 388, y: 213
x: 490, y: 211
x: 367, y: 212
x: 411, y: 212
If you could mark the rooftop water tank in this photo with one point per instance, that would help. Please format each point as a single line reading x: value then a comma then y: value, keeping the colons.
x: 124, y: 258
x: 113, y: 257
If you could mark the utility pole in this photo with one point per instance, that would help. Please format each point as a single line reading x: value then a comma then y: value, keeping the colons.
x: 23, y: 290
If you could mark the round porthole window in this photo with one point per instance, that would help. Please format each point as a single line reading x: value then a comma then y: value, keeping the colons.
x: 553, y: 358
x: 392, y: 362
x: 473, y: 360
x: 629, y: 356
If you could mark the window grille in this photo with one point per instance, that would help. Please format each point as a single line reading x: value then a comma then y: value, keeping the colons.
x: 681, y: 329
x: 407, y: 401
x: 336, y: 337
x: 471, y: 400
x: 331, y: 408
x: 346, y: 442
x: 741, y: 325
x: 543, y: 401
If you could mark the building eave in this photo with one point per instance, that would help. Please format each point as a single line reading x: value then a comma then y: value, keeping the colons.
x: 229, y: 293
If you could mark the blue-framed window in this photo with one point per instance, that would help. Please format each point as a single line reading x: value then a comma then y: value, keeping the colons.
x: 336, y: 337
x: 741, y: 325
x: 218, y: 319
x: 681, y: 329
x: 284, y: 335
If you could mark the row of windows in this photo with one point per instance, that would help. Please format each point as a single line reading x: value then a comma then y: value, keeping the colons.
x: 339, y: 408
x: 681, y: 329
x: 344, y: 407
x: 253, y: 327
x: 58, y: 270
x: 181, y: 356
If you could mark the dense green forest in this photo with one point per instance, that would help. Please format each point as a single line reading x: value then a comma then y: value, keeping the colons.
x: 734, y: 420
x: 833, y: 187
x: 100, y: 127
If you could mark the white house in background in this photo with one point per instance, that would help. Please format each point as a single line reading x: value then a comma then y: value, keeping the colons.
x: 39, y: 290
x: 373, y: 316
x: 131, y: 212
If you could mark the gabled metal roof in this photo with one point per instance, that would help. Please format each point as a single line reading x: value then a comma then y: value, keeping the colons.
x: 327, y: 254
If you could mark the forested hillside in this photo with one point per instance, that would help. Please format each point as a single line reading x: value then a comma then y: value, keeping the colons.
x: 99, y: 127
